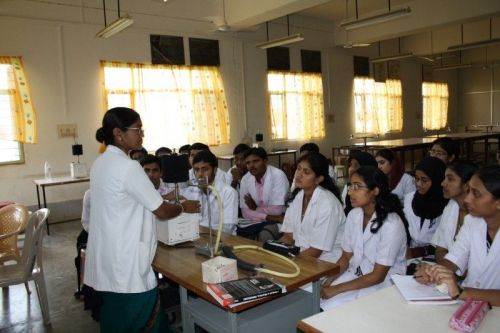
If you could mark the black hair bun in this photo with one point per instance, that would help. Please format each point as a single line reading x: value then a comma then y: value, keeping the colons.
x: 99, y: 135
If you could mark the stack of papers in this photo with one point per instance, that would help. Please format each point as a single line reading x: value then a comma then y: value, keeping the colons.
x: 416, y: 293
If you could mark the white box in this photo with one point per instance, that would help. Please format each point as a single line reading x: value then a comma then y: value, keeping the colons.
x: 219, y: 269
x: 182, y: 228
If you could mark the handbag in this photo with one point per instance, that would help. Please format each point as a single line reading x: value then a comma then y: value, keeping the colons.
x: 468, y: 316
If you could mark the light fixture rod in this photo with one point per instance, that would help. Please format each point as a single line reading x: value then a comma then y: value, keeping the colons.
x: 380, y: 18
x: 474, y: 45
x: 104, y: 9
x: 392, y: 57
x: 281, y: 41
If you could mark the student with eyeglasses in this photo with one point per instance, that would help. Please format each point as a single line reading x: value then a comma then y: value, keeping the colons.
x: 424, y: 207
x: 446, y: 149
x: 374, y: 243
x: 476, y: 251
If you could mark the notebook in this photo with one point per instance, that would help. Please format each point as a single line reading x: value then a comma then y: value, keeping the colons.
x: 416, y: 293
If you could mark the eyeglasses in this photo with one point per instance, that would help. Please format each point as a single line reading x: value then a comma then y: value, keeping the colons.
x: 437, y: 153
x: 355, y: 187
x: 140, y: 130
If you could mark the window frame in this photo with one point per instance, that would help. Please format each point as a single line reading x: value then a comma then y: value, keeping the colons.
x: 21, y: 159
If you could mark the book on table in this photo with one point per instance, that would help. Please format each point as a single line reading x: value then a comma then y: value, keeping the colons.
x: 416, y: 293
x: 243, y: 290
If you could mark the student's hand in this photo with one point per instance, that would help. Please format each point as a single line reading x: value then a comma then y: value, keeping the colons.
x: 191, y: 206
x: 250, y: 202
x: 329, y: 292
x: 236, y: 173
x: 441, y: 274
x: 171, y: 196
x: 327, y: 282
x: 275, y: 218
x: 420, y: 274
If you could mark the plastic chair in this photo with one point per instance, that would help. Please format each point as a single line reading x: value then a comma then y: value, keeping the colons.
x: 13, y: 220
x: 30, y: 268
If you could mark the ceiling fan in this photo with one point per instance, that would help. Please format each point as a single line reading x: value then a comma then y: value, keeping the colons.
x: 221, y: 24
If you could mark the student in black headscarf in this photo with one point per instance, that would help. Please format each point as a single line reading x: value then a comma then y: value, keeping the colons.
x: 356, y: 159
x: 424, y: 207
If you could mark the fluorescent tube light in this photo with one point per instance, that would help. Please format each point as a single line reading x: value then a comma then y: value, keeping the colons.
x: 474, y: 45
x: 393, y: 57
x: 371, y: 20
x: 115, y: 27
x: 281, y: 41
x: 449, y: 67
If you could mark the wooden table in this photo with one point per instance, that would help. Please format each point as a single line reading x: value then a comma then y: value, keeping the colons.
x: 43, y: 183
x: 386, y: 311
x: 272, y: 314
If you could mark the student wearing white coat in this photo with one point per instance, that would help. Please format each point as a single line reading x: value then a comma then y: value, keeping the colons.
x: 122, y: 236
x: 477, y: 248
x: 423, y: 208
x: 375, y: 240
x: 220, y: 175
x: 205, y: 166
x: 400, y: 183
x: 315, y: 218
x: 457, y: 175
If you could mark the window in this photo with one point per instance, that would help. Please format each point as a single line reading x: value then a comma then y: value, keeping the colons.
x: 378, y: 106
x: 17, y: 118
x: 296, y: 105
x: 435, y: 105
x: 177, y: 104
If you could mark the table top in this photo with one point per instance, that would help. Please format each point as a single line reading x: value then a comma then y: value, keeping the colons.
x: 59, y: 181
x: 183, y: 266
x: 387, y: 311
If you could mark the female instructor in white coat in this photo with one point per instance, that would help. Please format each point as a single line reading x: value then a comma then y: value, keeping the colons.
x: 122, y: 236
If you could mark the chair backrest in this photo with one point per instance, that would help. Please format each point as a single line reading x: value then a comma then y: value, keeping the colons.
x: 13, y: 218
x: 32, y: 251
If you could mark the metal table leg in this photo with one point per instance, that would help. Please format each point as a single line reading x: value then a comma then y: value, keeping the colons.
x: 45, y: 206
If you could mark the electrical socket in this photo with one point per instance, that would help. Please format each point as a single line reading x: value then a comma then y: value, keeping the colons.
x: 67, y: 130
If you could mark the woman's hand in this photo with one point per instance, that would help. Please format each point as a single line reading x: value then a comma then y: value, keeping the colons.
x: 441, y: 274
x: 420, y: 274
x: 191, y: 206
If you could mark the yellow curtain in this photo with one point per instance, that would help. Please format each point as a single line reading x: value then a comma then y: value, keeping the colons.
x: 177, y: 104
x: 296, y: 105
x: 17, y: 115
x: 435, y: 105
x: 378, y: 106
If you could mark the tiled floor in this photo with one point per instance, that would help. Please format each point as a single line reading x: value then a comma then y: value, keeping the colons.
x: 20, y: 312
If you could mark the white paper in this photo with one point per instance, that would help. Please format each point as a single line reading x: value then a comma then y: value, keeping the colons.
x: 414, y: 291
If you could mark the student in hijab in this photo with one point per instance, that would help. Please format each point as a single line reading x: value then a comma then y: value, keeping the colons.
x: 424, y: 207
x: 356, y: 159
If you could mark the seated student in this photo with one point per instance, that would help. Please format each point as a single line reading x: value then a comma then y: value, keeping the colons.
x: 424, y: 207
x: 137, y: 154
x: 163, y: 151
x: 194, y: 149
x: 152, y: 167
x: 311, y: 147
x: 446, y: 149
x: 457, y: 175
x: 374, y: 243
x: 239, y: 169
x: 400, y: 183
x: 205, y: 166
x: 315, y: 219
x: 356, y: 159
x: 263, y: 191
x: 477, y: 248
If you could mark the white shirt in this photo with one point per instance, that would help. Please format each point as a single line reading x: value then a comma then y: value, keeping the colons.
x: 446, y: 231
x: 344, y: 195
x: 229, y: 198
x: 469, y: 253
x: 322, y: 226
x: 86, y: 210
x: 387, y: 247
x: 419, y: 236
x: 275, y: 187
x: 122, y: 236
x: 406, y: 185
x: 220, y: 176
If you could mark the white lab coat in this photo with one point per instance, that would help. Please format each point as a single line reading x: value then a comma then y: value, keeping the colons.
x: 86, y: 210
x: 344, y: 195
x: 469, y: 253
x: 229, y: 198
x: 419, y: 236
x: 322, y: 226
x: 406, y: 185
x: 387, y: 247
x: 275, y: 188
x: 122, y: 236
x: 445, y: 232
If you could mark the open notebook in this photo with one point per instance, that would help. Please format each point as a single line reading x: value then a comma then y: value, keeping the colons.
x: 416, y: 293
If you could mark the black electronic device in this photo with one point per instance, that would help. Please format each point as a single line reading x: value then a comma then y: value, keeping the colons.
x: 281, y: 248
x: 77, y: 150
x: 175, y: 168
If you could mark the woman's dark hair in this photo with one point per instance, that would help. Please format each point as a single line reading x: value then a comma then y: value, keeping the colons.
x: 240, y: 148
x: 310, y: 147
x: 464, y: 169
x: 260, y: 152
x: 397, y: 169
x: 449, y: 145
x: 319, y: 165
x: 205, y: 156
x: 363, y: 158
x: 490, y: 176
x: 119, y: 117
x: 385, y: 202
